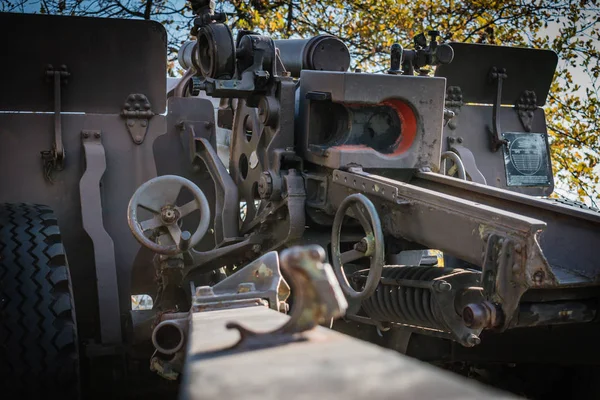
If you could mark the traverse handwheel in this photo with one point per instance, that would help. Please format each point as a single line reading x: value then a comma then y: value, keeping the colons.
x: 371, y: 245
x: 159, y: 196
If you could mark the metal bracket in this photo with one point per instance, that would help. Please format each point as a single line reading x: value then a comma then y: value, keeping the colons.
x: 226, y: 224
x: 468, y: 160
x: 54, y: 159
x: 454, y: 101
x: 259, y: 280
x: 137, y: 112
x: 104, y: 251
x: 318, y: 298
x: 497, y: 75
x: 525, y: 107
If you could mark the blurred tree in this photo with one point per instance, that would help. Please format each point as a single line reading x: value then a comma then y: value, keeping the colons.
x: 571, y: 28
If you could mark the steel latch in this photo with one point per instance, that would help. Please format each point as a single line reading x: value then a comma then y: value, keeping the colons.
x: 137, y: 113
x: 53, y: 159
x: 497, y: 75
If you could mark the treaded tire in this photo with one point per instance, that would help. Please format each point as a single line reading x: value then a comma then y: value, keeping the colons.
x: 38, y: 334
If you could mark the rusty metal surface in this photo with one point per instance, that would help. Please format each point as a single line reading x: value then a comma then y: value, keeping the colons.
x: 318, y: 299
x: 126, y: 56
x: 328, y: 365
x: 104, y: 251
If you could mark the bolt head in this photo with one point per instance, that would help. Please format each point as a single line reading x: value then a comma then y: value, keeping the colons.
x: 169, y: 215
x: 444, y: 286
x: 473, y: 340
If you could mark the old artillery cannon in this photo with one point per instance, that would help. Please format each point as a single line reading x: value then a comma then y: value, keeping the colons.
x: 355, y: 163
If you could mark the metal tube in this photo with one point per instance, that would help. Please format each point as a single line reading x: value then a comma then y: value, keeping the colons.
x: 322, y: 53
x: 457, y: 161
x: 168, y: 336
x: 185, y: 54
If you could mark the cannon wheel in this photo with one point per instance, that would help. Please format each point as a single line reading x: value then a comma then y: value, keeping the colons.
x: 38, y: 334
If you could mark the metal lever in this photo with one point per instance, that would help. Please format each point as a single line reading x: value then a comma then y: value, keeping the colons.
x: 498, y: 75
x: 54, y: 159
x: 317, y: 298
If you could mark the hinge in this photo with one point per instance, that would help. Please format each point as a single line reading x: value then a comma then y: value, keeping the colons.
x: 525, y: 107
x: 137, y: 113
x: 454, y: 101
x: 53, y: 159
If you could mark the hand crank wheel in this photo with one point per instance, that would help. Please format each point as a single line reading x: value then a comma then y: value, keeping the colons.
x: 371, y: 245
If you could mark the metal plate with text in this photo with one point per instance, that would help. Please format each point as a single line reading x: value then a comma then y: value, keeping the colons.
x: 527, y: 159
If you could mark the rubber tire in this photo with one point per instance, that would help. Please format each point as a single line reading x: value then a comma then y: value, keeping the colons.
x: 38, y: 334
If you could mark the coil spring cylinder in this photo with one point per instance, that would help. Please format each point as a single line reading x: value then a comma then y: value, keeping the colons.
x: 396, y: 300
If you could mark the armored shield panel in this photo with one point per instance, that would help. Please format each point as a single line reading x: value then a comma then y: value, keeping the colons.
x: 106, y: 59
x: 522, y: 163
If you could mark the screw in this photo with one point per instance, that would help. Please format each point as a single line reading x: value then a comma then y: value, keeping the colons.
x: 86, y: 135
x: 97, y: 135
x: 459, y: 140
x: 473, y: 340
x: 144, y: 122
x: 518, y: 247
x: 256, y: 248
x: 451, y: 139
x: 538, y: 277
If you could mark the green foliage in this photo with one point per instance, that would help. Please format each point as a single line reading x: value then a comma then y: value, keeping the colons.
x: 571, y: 28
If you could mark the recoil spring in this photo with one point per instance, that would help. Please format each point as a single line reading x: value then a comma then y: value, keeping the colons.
x: 410, y: 303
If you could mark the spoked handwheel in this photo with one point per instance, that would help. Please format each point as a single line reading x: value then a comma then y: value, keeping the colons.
x: 158, y: 196
x: 371, y: 245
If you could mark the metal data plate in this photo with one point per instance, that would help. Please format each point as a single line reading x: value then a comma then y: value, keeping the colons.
x: 527, y: 69
x: 527, y: 159
x: 107, y: 59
